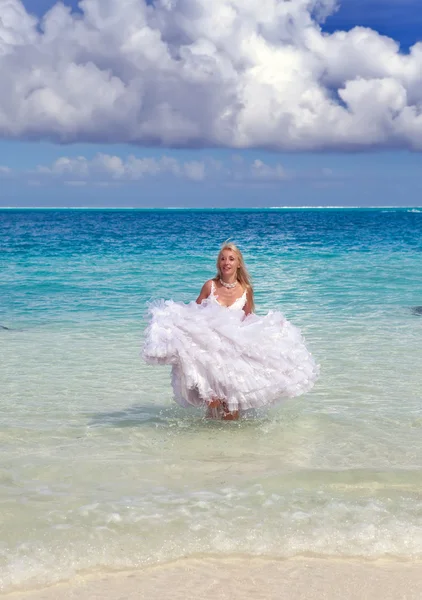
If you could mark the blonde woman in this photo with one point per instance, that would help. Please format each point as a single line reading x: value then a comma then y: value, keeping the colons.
x: 223, y: 356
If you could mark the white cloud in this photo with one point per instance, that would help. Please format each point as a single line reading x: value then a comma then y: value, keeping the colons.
x: 106, y: 169
x: 195, y: 170
x: 231, y: 73
x: 5, y: 171
x: 119, y: 169
x: 64, y: 165
x: 260, y: 170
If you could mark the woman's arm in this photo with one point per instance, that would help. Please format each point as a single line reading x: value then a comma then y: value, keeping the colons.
x: 248, y: 308
x: 205, y: 292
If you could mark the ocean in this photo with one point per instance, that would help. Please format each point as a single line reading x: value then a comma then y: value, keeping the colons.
x: 101, y: 471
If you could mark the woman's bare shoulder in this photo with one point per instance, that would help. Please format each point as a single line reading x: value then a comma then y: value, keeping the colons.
x: 207, y: 285
x: 205, y: 291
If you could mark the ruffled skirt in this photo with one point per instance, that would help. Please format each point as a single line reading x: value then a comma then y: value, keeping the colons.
x: 248, y: 362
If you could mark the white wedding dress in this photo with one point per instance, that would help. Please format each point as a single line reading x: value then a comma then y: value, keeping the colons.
x: 217, y: 352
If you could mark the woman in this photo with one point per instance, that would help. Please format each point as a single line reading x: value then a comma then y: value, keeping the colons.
x: 223, y: 356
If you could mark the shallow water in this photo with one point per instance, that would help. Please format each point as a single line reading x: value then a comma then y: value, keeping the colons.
x: 99, y: 468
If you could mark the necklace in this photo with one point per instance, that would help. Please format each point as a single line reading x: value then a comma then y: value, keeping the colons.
x: 229, y: 286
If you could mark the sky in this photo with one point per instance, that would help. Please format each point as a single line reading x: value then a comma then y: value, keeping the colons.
x: 196, y: 103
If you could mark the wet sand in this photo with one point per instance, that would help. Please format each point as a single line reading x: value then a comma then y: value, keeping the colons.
x: 240, y: 578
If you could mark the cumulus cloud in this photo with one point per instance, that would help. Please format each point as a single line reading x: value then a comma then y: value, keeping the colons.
x: 260, y: 170
x: 104, y: 169
x: 187, y: 73
x: 117, y: 168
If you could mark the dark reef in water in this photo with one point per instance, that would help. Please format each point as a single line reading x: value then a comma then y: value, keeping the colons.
x: 417, y: 310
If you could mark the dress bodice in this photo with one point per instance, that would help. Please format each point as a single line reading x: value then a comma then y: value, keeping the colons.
x: 238, y: 304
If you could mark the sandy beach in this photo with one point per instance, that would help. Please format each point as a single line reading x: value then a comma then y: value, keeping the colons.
x: 238, y: 578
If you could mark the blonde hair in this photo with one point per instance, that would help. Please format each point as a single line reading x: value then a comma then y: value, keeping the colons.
x: 243, y: 276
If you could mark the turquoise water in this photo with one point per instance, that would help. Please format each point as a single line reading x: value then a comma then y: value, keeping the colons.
x: 100, y: 469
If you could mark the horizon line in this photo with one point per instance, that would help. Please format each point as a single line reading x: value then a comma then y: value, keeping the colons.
x: 319, y: 207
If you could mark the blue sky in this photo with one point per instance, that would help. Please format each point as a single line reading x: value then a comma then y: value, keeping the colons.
x: 363, y: 147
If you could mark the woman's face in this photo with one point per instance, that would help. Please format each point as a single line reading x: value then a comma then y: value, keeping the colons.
x: 228, y: 263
